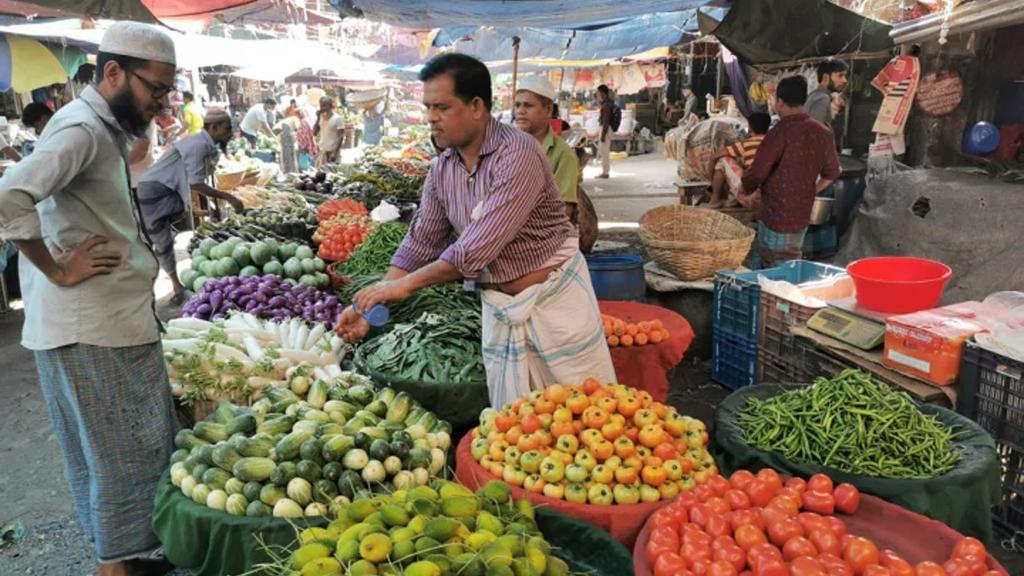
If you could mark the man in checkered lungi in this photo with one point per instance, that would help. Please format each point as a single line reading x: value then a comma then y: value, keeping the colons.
x: 87, y: 272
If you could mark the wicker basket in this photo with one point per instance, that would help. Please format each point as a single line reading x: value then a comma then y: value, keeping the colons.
x: 693, y: 243
x: 228, y: 181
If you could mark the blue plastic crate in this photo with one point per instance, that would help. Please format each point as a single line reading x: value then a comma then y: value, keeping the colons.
x: 733, y: 361
x: 738, y: 296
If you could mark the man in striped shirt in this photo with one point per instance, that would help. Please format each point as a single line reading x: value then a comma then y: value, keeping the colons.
x: 494, y: 193
x: 736, y: 159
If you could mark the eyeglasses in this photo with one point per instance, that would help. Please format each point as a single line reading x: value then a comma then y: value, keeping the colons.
x: 156, y: 91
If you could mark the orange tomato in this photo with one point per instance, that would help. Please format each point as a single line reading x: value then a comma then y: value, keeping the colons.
x: 655, y: 337
x: 504, y: 421
x: 590, y: 385
x: 577, y: 402
x: 624, y: 447
x: 561, y: 428
x: 644, y: 326
x: 631, y: 329
x: 602, y: 450
x: 626, y: 340
x: 641, y: 339
x: 665, y: 451
x: 628, y: 406
x: 530, y: 423
x: 613, y: 341
x: 653, y: 475
x: 651, y: 435
x: 556, y: 393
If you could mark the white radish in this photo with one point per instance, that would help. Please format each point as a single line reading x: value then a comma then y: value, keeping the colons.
x: 297, y: 356
x: 252, y: 347
x: 314, y: 336
x: 187, y: 345
x: 300, y: 337
x: 191, y: 324
x: 178, y: 334
x: 226, y: 353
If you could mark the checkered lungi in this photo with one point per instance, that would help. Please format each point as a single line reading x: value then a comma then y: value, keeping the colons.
x: 774, y: 247
x: 112, y: 413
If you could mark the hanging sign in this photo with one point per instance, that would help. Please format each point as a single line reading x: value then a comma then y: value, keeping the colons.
x: 940, y: 93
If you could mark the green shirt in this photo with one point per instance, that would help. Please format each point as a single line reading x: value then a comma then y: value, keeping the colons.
x: 564, y: 164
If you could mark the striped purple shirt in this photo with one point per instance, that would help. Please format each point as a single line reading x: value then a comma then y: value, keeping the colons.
x: 506, y: 216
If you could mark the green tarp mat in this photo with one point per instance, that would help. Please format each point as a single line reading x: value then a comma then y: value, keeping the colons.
x: 212, y: 543
x: 962, y: 498
x: 781, y: 30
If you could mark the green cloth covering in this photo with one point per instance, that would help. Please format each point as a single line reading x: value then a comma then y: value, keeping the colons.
x: 209, y: 542
x: 962, y: 498
x: 587, y: 550
x: 459, y: 404
x: 213, y: 543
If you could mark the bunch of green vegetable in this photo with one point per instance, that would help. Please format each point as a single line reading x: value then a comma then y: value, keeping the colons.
x: 293, y: 223
x: 234, y: 257
x: 300, y: 454
x: 853, y: 424
x: 373, y: 256
x: 434, y: 348
x: 448, y: 300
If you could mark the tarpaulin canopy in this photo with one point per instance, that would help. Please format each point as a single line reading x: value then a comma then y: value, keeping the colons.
x: 781, y: 30
x: 533, y: 13
x: 625, y: 38
x: 26, y: 64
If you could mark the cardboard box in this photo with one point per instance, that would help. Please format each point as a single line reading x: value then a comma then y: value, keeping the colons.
x: 929, y: 344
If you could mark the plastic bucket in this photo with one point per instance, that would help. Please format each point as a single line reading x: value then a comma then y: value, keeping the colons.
x: 899, y: 285
x: 617, y: 276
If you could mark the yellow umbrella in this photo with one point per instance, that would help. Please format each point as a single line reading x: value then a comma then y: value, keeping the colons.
x: 26, y: 64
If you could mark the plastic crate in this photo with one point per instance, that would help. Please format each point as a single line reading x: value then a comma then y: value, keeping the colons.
x: 733, y: 360
x: 772, y: 369
x: 775, y: 317
x: 991, y: 393
x: 1008, y: 515
x: 737, y: 300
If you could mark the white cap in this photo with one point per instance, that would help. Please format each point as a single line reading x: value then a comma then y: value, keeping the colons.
x: 538, y: 85
x: 138, y: 40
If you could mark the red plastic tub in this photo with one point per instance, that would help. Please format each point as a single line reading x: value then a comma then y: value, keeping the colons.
x: 897, y: 284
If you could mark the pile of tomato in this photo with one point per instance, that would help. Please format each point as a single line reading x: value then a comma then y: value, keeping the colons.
x: 756, y: 525
x: 332, y: 208
x: 618, y: 332
x: 340, y: 235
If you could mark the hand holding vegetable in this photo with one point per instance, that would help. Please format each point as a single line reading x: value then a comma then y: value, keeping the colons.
x: 82, y: 262
x: 382, y: 293
x: 351, y: 326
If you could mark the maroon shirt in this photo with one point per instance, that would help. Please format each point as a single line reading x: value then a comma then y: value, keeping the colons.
x: 792, y: 156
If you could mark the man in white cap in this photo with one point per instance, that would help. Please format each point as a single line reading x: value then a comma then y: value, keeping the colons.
x: 87, y: 272
x: 534, y: 102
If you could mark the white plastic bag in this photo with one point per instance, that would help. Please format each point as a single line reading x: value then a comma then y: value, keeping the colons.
x: 385, y: 212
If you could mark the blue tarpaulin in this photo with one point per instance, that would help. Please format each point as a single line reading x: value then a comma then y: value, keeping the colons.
x: 504, y: 13
x: 625, y: 38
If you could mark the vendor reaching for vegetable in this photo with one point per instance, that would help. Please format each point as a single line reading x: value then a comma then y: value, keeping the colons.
x: 87, y: 276
x: 493, y: 189
x: 165, y: 190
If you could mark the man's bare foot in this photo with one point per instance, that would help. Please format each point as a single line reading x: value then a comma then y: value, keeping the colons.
x: 714, y: 204
x: 732, y: 203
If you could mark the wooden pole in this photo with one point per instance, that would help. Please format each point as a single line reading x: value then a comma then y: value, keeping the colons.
x: 515, y: 66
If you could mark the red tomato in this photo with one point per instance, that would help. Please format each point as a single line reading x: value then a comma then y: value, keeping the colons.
x: 747, y: 536
x: 722, y: 542
x: 738, y: 518
x: 876, y: 570
x: 792, y: 493
x: 783, y: 530
x: 718, y: 505
x: 820, y: 482
x: 693, y: 553
x: 700, y: 567
x: 760, y: 492
x: 789, y: 503
x: 806, y: 566
x: 665, y: 534
x: 771, y: 568
x: 733, y: 555
x: 837, y: 526
x: 847, y: 498
x: 701, y: 539
x: 703, y: 492
x: 969, y: 547
x: 797, y: 547
x: 797, y: 483
x: 669, y: 564
x: 737, y: 499
x: 825, y: 541
x: 761, y: 552
x: 834, y: 564
x: 699, y: 514
x: 860, y: 554
x: 811, y: 521
x: 897, y: 566
x: 819, y: 501
x: 929, y: 569
x: 740, y: 479
x: 957, y: 567
x: 771, y: 477
x: 657, y: 549
x: 975, y: 566
x: 721, y: 568
x: 718, y: 484
x: 773, y: 514
x: 718, y: 525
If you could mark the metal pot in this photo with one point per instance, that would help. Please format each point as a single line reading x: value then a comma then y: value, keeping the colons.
x: 821, y: 212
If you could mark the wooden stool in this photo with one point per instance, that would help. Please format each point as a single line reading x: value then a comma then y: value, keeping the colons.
x: 691, y: 192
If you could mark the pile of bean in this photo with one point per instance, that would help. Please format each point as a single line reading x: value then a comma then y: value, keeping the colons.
x: 449, y: 300
x: 373, y: 256
x: 434, y: 348
x: 851, y: 424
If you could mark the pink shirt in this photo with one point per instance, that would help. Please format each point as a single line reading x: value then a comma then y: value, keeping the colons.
x: 506, y: 216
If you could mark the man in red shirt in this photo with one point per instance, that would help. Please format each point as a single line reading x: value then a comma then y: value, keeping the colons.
x: 796, y: 160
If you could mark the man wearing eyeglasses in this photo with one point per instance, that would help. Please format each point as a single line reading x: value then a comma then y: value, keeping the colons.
x: 87, y: 274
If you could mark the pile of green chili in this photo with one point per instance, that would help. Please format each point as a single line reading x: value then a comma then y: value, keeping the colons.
x: 373, y: 256
x: 853, y: 424
x: 434, y: 348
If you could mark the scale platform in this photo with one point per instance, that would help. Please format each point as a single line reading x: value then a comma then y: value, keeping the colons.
x: 848, y: 322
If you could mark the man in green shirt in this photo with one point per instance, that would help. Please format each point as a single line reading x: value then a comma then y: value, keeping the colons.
x: 535, y: 98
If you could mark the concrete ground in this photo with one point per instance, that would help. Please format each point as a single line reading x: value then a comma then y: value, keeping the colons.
x: 32, y: 484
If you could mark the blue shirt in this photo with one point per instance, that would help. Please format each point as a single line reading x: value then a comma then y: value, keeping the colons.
x: 372, y: 129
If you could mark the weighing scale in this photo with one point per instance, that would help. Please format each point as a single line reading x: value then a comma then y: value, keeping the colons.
x: 849, y: 322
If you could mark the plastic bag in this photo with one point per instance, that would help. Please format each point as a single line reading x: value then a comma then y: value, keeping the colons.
x: 385, y: 212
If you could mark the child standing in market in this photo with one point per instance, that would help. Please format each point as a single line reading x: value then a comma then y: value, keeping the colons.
x: 87, y: 277
x: 796, y: 160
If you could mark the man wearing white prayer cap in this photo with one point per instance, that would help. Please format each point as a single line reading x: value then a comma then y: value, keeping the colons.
x: 534, y: 103
x: 87, y: 272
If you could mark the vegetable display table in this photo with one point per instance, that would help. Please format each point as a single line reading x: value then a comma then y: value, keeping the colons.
x: 914, y: 537
x: 962, y: 498
x: 645, y: 367
x: 623, y: 522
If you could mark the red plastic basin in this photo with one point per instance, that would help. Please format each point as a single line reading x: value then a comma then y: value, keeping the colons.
x: 897, y: 284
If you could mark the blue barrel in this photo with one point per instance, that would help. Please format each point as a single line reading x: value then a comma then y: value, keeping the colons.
x: 617, y: 276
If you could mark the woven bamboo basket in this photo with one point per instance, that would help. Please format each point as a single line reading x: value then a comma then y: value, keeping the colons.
x: 228, y: 181
x: 693, y: 243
